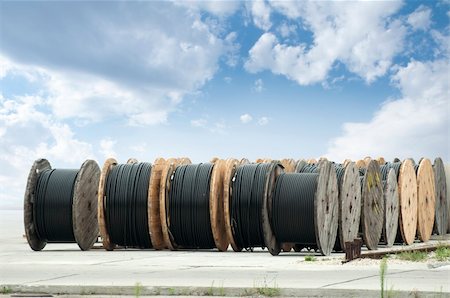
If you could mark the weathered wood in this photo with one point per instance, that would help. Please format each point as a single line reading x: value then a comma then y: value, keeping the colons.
x: 153, y: 210
x: 326, y: 207
x: 361, y: 164
x: 311, y: 161
x: 441, y: 216
x: 381, y: 161
x: 266, y: 217
x: 447, y: 179
x: 372, y: 212
x: 216, y: 212
x: 107, y: 167
x: 349, y: 205
x: 84, y: 206
x: 407, y: 184
x: 28, y: 216
x: 230, y: 170
x: 132, y: 160
x: 392, y: 209
x: 346, y: 162
x: 427, y: 247
x: 426, y: 200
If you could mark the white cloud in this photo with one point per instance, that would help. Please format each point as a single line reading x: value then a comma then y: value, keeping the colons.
x: 199, y: 122
x: 29, y: 134
x: 413, y: 125
x: 107, y: 147
x: 258, y: 86
x: 246, y: 118
x: 219, y: 8
x: 286, y: 29
x: 261, y: 14
x: 420, y: 19
x: 361, y: 35
x: 263, y: 121
x: 114, y: 66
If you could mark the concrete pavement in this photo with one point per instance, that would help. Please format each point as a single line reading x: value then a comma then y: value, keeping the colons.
x: 63, y: 268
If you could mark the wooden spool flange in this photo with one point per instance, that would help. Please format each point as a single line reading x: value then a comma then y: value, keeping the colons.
x: 216, y: 200
x: 381, y: 161
x: 441, y: 216
x: 166, y: 175
x: 346, y: 162
x: 269, y: 237
x: 28, y: 216
x: 361, y: 164
x: 107, y: 167
x: 84, y: 205
x: 407, y: 186
x: 349, y: 205
x: 154, y: 218
x: 426, y: 199
x: 447, y: 179
x: 326, y: 208
x: 230, y: 170
x: 372, y: 200
x: 392, y: 208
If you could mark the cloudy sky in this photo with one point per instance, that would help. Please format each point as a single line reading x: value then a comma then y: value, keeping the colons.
x: 227, y: 79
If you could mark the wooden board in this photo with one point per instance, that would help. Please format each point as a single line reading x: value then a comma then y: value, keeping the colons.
x: 381, y: 161
x: 269, y: 237
x: 84, y: 206
x: 107, y: 166
x: 426, y: 199
x: 361, y: 164
x: 132, y: 160
x: 28, y: 216
x: 326, y: 207
x: 372, y: 211
x: 154, y: 219
x: 230, y: 170
x: 441, y: 215
x: 346, y: 162
x: 311, y: 161
x: 407, y: 185
x: 349, y: 205
x: 216, y: 213
x: 367, y: 160
x: 392, y: 209
x: 447, y: 179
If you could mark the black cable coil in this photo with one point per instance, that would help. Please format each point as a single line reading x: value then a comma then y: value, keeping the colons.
x: 293, y: 208
x: 188, y: 208
x: 248, y: 187
x: 126, y: 205
x: 384, y: 169
x: 52, y: 208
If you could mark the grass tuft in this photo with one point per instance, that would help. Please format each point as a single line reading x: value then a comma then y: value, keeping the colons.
x: 413, y: 256
x: 310, y: 258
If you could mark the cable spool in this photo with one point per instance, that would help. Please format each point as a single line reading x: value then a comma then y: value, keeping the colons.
x: 166, y: 174
x: 441, y: 217
x: 426, y: 199
x: 216, y: 204
x: 407, y: 183
x: 187, y: 207
x: 251, y: 189
x: 372, y: 200
x: 60, y: 205
x: 289, y: 167
x: 381, y: 161
x: 392, y: 209
x: 230, y: 170
x: 153, y: 210
x: 349, y: 202
x: 123, y: 195
x: 305, y: 208
x: 447, y: 179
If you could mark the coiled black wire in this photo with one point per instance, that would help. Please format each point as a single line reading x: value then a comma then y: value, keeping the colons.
x: 188, y: 208
x: 246, y: 205
x: 293, y: 208
x: 126, y: 205
x: 384, y: 169
x: 52, y: 209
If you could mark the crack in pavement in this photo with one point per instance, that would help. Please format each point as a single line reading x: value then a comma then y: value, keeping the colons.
x: 48, y: 279
x: 366, y: 277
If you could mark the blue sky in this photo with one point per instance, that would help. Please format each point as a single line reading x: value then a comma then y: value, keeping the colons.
x: 201, y: 79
